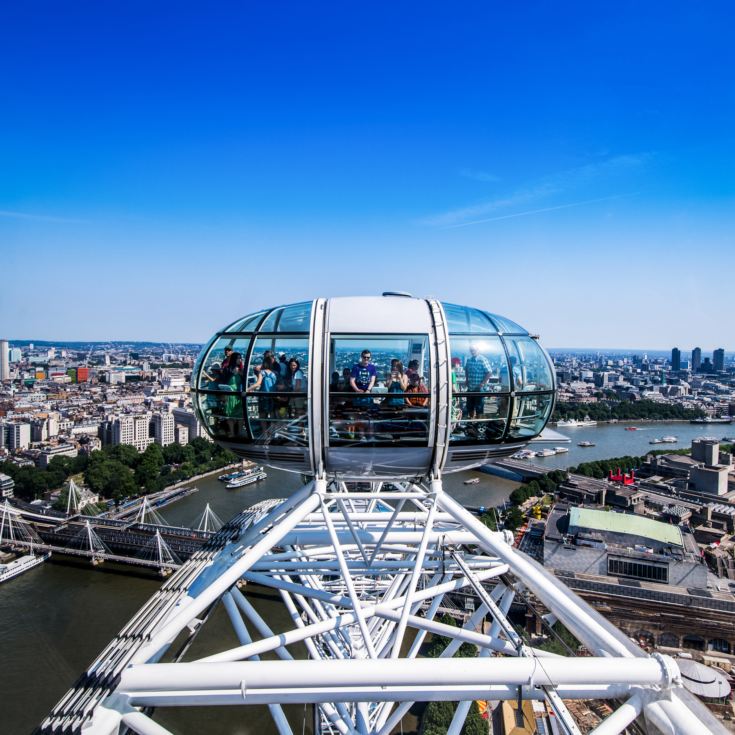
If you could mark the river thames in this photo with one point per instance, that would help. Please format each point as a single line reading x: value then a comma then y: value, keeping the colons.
x: 55, y: 619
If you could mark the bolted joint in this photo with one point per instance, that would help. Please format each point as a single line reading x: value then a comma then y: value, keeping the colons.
x: 669, y: 669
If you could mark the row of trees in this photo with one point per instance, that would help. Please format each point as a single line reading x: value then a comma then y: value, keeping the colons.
x: 119, y: 471
x: 624, y: 411
x: 33, y: 482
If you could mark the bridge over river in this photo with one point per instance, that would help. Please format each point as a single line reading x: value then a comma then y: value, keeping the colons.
x: 144, y: 540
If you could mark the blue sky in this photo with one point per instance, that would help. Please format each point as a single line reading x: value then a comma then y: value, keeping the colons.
x: 168, y: 167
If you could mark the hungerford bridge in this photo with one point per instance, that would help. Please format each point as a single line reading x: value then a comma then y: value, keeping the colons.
x: 365, y: 553
x: 144, y: 539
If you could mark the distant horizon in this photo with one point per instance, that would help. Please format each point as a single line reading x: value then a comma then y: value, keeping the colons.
x: 609, y: 350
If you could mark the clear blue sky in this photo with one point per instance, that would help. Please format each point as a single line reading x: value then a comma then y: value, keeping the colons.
x: 168, y: 167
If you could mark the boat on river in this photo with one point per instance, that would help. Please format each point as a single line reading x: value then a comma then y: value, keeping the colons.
x: 576, y: 423
x: 229, y: 476
x: 472, y: 481
x: 247, y: 477
x: 21, y: 565
x: 585, y: 444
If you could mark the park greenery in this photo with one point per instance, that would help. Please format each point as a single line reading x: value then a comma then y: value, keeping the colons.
x: 615, y: 409
x: 119, y: 471
x: 437, y: 716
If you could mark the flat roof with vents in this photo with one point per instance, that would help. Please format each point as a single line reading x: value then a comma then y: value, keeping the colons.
x: 624, y: 523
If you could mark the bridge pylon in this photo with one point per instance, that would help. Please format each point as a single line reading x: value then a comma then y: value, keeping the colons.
x: 148, y: 514
x: 209, y: 521
x: 89, y: 541
x: 161, y: 552
x: 14, y: 529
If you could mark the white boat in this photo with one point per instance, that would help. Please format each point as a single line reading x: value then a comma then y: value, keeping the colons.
x: 656, y: 441
x: 524, y: 454
x: 669, y: 439
x: 472, y: 481
x: 546, y: 452
x: 561, y: 450
x: 575, y: 423
x: 247, y: 478
x: 585, y: 444
x: 20, y: 565
x: 587, y: 422
x: 229, y: 476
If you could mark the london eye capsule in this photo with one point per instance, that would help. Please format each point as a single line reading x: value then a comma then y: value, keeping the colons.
x: 373, y: 387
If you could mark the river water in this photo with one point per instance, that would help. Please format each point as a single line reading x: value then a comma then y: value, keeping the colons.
x: 55, y: 619
x: 613, y: 440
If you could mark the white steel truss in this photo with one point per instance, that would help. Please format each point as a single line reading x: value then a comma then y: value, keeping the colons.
x: 364, y: 575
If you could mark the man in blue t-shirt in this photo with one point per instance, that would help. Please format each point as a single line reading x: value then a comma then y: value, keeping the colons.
x: 362, y: 376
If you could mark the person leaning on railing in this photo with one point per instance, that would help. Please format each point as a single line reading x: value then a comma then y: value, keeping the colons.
x: 417, y: 394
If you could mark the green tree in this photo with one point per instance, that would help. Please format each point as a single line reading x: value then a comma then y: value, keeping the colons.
x: 121, y: 484
x: 62, y: 465
x: 177, y: 454
x: 98, y: 473
x: 513, y: 519
x: 124, y: 453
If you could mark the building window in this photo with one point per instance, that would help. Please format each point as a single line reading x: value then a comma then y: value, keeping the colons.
x: 650, y: 572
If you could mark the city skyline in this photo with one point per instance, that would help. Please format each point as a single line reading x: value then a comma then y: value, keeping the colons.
x: 143, y: 196
x: 657, y: 351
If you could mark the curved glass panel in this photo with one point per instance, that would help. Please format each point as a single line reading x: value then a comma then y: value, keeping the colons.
x: 478, y: 418
x: 222, y: 367
x: 529, y: 366
x: 379, y: 391
x: 272, y: 321
x: 506, y: 326
x: 277, y: 375
x: 295, y: 318
x: 465, y: 320
x: 222, y: 415
x: 200, y: 361
x: 478, y: 365
x: 530, y: 414
x: 246, y: 324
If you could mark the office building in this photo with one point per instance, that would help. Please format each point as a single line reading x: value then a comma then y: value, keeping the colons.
x: 696, y: 359
x: 132, y: 429
x: 17, y: 436
x: 718, y: 360
x: 163, y: 428
x: 181, y: 434
x: 706, y: 450
x: 676, y: 359
x: 187, y: 418
x: 4, y: 360
x: 7, y: 485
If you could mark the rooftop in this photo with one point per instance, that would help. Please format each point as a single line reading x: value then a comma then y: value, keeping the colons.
x: 634, y: 525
